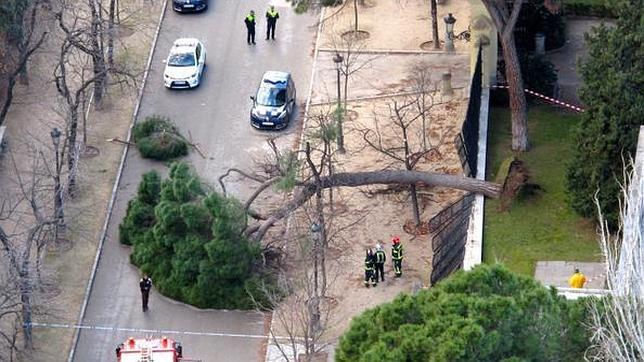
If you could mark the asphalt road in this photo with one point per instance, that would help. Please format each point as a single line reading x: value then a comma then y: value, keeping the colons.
x: 216, y: 116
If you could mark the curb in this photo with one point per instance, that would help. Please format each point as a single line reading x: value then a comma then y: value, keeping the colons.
x: 382, y: 96
x: 110, y: 204
x: 393, y: 51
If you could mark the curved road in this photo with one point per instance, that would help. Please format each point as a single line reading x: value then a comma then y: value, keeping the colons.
x: 215, y: 115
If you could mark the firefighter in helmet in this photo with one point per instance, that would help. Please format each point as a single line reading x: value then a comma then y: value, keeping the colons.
x: 381, y: 258
x: 369, y: 261
x: 397, y: 255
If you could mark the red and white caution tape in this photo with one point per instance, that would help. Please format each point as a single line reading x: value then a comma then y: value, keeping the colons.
x: 549, y: 99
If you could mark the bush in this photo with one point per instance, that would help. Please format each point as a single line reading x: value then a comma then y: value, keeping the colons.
x: 159, y: 139
x: 539, y: 75
x: 487, y: 314
x: 590, y: 8
x: 607, y: 135
x: 194, y: 248
x: 536, y: 18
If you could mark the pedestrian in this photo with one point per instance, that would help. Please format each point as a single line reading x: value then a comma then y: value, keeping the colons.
x: 145, y: 284
x: 577, y: 280
x: 271, y: 20
x: 397, y: 256
x: 369, y: 277
x: 381, y: 258
x: 250, y: 27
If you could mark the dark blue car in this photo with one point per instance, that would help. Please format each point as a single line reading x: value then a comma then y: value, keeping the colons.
x: 274, y: 102
x: 185, y: 6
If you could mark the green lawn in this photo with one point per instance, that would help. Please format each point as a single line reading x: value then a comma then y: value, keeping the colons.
x: 543, y: 226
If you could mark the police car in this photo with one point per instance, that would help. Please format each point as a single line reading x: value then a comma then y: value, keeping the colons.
x: 185, y: 63
x: 189, y: 5
x: 274, y: 102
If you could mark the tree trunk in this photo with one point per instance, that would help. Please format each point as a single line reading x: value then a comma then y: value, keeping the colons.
x: 25, y: 304
x: 435, y: 39
x: 72, y: 154
x: 518, y: 104
x: 355, y: 16
x: 98, y: 59
x: 414, y: 204
x: 110, y: 33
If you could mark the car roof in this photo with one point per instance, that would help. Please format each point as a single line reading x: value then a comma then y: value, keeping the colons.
x: 274, y: 78
x: 184, y: 45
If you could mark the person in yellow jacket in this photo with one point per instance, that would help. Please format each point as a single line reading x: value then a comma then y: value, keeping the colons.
x: 271, y: 20
x: 577, y: 280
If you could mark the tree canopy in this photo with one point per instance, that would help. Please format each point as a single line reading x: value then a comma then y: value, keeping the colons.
x: 613, y: 77
x: 189, y: 239
x: 487, y: 314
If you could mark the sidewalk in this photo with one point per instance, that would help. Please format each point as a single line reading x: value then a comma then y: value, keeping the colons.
x: 379, y: 76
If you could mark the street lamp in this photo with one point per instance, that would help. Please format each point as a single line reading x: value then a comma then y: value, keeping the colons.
x: 338, y: 59
x: 449, y: 32
x: 58, y: 190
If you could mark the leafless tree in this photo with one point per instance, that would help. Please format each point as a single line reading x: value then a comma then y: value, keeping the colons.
x: 505, y: 22
x: 617, y: 321
x: 84, y: 31
x: 9, y: 317
x: 30, y: 38
x: 350, y: 52
x: 27, y: 221
x: 421, y: 85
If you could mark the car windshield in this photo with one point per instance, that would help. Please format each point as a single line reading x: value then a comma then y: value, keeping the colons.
x: 273, y: 97
x: 181, y: 60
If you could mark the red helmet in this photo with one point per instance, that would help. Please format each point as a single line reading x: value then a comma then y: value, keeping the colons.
x: 395, y: 240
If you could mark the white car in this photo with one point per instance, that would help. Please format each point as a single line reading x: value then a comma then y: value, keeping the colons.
x: 185, y: 64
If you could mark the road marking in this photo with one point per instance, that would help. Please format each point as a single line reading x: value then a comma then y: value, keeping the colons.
x: 151, y: 331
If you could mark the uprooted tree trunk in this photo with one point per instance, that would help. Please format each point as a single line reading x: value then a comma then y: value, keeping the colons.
x: 505, y: 22
x: 355, y: 179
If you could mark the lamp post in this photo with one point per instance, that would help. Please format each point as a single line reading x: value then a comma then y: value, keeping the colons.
x: 58, y: 190
x: 339, y: 112
x: 449, y: 32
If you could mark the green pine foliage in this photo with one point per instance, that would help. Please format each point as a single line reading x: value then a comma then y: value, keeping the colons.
x: 487, y: 314
x: 140, y: 210
x: 607, y: 136
x: 159, y: 139
x: 193, y: 248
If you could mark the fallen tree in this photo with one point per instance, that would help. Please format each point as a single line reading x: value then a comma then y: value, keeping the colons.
x: 306, y: 189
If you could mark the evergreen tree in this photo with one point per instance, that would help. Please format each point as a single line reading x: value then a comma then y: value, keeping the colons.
x: 487, y: 314
x: 140, y: 210
x: 612, y: 92
x: 194, y: 249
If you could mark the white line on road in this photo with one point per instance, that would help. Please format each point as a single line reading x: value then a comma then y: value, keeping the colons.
x: 150, y: 331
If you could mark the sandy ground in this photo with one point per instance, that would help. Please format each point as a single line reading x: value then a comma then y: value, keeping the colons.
x: 377, y: 216
x: 37, y: 109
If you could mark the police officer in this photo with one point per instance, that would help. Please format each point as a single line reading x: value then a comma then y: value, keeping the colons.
x: 381, y: 257
x: 397, y: 255
x: 369, y: 269
x: 145, y: 284
x: 271, y: 20
x: 250, y: 27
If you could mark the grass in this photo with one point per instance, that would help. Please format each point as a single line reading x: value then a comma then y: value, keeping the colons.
x: 541, y: 226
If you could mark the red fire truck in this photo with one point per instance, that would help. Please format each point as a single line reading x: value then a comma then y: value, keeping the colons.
x: 150, y: 349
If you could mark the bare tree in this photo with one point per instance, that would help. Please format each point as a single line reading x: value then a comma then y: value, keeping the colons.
x: 86, y: 34
x: 505, y: 22
x: 26, y: 224
x: 9, y: 317
x: 617, y: 321
x: 421, y: 85
x: 351, y: 57
x: 397, y: 137
x: 29, y: 39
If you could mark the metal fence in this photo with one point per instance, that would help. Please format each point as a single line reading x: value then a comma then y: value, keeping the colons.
x: 467, y: 141
x: 448, y: 242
